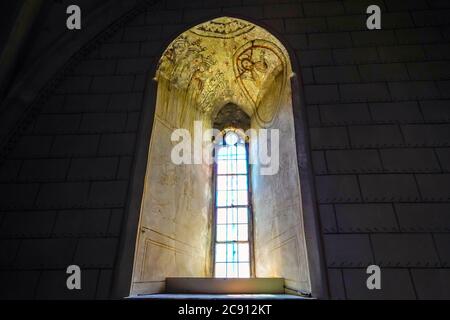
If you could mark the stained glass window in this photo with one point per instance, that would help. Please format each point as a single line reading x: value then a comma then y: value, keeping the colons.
x: 232, y: 209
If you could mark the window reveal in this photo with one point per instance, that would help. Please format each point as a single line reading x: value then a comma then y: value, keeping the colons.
x: 232, y: 249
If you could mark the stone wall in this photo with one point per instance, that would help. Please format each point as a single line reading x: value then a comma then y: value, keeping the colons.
x: 378, y: 120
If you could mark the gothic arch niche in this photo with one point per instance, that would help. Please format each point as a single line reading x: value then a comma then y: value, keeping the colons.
x: 217, y: 63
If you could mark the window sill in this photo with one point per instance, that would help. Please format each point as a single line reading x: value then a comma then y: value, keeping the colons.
x: 169, y: 296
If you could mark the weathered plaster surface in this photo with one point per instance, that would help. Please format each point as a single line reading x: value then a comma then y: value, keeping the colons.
x: 174, y: 230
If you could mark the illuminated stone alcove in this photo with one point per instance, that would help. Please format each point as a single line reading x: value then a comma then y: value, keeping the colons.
x: 222, y: 62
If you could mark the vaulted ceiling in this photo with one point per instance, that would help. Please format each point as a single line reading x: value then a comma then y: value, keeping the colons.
x: 227, y: 60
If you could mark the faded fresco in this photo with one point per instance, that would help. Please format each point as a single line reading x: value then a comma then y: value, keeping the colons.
x: 220, y: 62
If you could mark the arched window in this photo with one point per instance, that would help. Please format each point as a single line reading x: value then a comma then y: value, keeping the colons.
x: 204, y: 220
x: 232, y: 208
